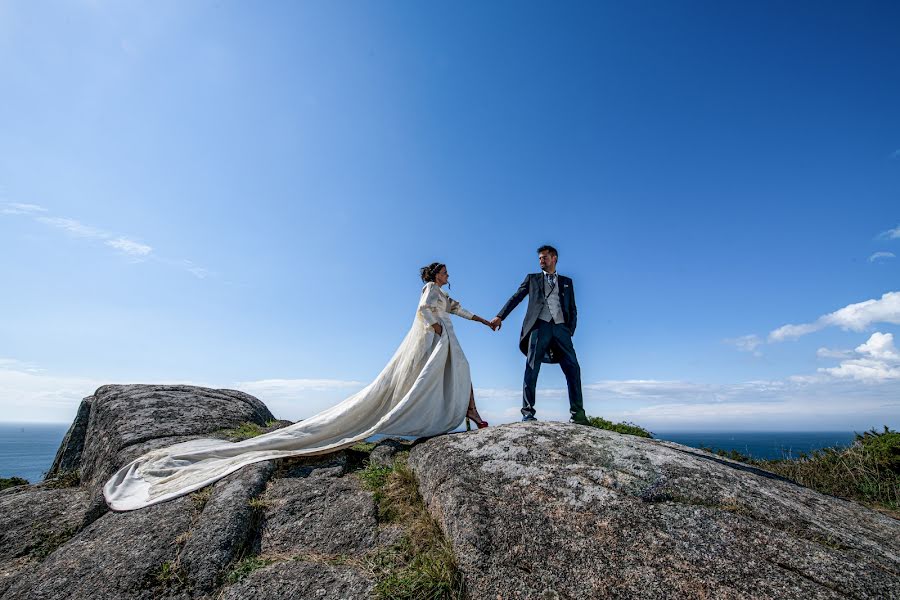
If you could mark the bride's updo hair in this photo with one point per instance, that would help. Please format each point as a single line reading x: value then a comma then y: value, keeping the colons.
x: 428, y: 273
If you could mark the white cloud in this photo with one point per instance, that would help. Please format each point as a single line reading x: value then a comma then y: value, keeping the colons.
x: 15, y: 208
x: 880, y: 346
x: 881, y: 255
x: 890, y: 234
x: 877, y: 360
x: 747, y: 343
x: 854, y: 317
x: 130, y: 247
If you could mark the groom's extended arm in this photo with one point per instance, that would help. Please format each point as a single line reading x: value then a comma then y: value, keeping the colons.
x: 513, y: 302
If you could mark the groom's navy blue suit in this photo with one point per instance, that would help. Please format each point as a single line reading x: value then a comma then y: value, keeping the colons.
x: 546, y: 341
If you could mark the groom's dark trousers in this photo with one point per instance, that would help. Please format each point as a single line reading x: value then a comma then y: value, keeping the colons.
x: 546, y: 335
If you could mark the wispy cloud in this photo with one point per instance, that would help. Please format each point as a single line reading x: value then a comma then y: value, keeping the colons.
x: 14, y: 208
x: 129, y: 246
x: 830, y: 353
x: 854, y: 317
x: 124, y: 245
x: 881, y: 256
x: 890, y: 234
x: 74, y: 227
x: 746, y: 343
x: 195, y: 270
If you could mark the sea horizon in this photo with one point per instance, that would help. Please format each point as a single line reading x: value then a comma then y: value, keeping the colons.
x: 27, y: 448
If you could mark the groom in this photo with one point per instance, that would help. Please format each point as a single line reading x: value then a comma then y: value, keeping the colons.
x: 547, y: 331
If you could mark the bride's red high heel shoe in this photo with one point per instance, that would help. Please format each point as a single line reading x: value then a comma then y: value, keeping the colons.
x: 480, y: 422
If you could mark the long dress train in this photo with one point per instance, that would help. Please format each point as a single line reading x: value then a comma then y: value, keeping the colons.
x: 423, y: 391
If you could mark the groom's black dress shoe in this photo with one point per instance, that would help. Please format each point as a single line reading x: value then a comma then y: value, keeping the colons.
x: 580, y: 418
x: 528, y: 418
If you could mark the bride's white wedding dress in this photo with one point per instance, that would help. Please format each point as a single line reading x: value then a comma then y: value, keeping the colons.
x: 423, y: 391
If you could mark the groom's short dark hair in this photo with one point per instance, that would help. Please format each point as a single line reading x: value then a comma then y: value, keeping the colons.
x: 549, y: 249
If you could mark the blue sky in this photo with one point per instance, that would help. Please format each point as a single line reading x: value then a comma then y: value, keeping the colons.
x: 240, y: 195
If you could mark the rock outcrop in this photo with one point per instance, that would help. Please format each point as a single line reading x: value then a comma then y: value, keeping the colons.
x: 532, y: 510
x: 553, y: 510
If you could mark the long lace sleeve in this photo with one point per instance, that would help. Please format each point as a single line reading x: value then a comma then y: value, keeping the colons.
x: 428, y: 304
x: 458, y: 310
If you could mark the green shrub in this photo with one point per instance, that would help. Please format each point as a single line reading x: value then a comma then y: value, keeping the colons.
x: 8, y: 482
x: 883, y: 448
x: 626, y: 427
x: 867, y: 472
x: 244, y: 431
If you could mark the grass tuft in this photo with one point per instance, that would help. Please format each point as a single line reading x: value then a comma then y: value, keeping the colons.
x: 625, y: 427
x: 48, y: 541
x: 421, y: 565
x: 169, y: 574
x: 201, y: 497
x: 246, y: 566
x: 66, y: 479
x: 259, y: 503
x: 365, y: 447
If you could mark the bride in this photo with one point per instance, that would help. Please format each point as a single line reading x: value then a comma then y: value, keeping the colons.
x: 424, y: 390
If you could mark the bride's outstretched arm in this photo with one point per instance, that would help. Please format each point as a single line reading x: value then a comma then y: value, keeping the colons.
x: 458, y: 310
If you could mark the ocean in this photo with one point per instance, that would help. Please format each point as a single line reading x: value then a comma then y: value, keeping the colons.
x: 764, y: 445
x: 27, y: 449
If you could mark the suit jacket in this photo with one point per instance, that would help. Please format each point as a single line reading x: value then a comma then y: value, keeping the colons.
x: 533, y: 287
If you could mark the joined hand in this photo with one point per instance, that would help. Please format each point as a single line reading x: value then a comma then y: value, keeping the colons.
x: 496, y: 323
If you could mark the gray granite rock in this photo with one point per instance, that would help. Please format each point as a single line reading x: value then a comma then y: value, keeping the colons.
x: 68, y: 456
x: 120, y: 555
x: 300, y: 580
x: 554, y: 510
x: 34, y: 521
x: 122, y: 416
x: 322, y: 513
x: 226, y: 528
x: 383, y: 453
x: 536, y: 510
